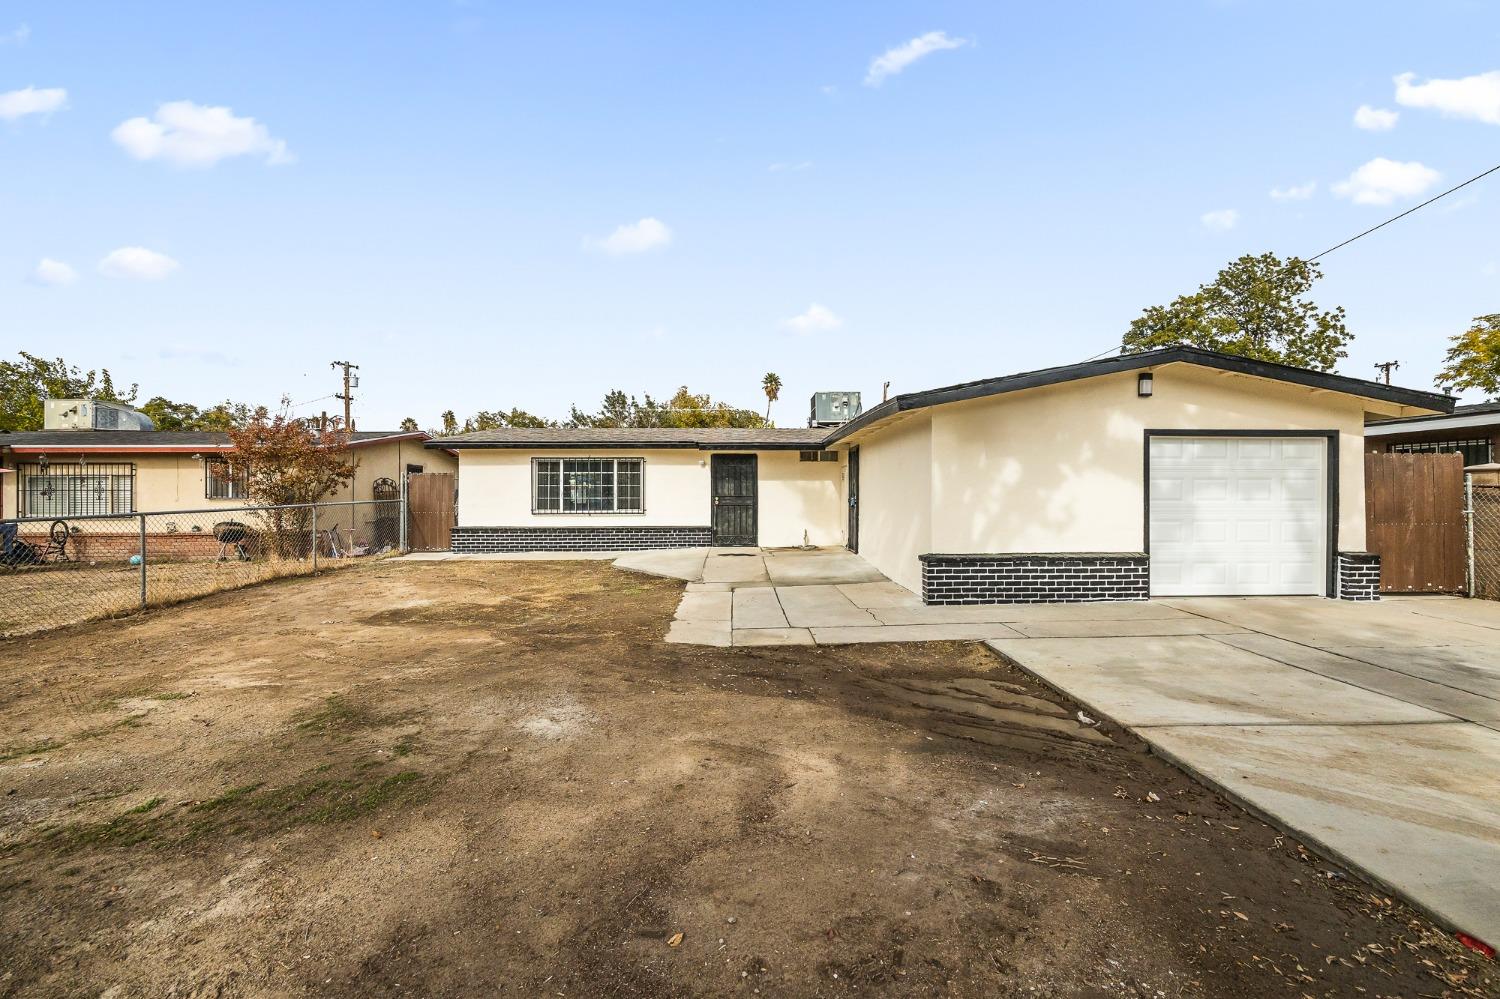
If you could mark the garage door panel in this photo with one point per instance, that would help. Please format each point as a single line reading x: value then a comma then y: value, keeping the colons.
x: 1238, y: 515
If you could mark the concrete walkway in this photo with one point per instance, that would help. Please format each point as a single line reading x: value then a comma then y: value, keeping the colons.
x: 1369, y: 730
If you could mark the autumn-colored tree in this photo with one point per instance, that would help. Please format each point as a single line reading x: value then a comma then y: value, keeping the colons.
x: 1255, y: 307
x: 288, y: 461
x: 771, y: 385
x: 1473, y: 359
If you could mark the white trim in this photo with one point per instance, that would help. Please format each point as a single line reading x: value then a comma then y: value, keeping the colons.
x: 1421, y: 426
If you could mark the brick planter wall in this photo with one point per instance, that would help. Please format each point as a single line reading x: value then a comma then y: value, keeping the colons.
x: 1359, y: 576
x: 120, y: 545
x: 1035, y: 577
x: 473, y: 540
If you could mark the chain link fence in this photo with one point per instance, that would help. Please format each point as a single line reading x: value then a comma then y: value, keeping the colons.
x: 56, y: 571
x: 1484, y: 539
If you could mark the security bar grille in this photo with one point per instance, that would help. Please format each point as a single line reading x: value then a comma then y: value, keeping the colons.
x: 1475, y: 452
x: 588, y: 485
x: 75, y: 490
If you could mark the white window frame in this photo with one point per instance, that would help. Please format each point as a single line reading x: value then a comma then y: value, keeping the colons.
x: 561, y: 463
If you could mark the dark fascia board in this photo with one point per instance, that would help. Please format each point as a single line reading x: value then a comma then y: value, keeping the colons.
x: 1133, y: 362
x: 619, y: 446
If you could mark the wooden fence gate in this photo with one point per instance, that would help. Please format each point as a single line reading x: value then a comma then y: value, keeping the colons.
x: 430, y: 498
x: 1414, y: 520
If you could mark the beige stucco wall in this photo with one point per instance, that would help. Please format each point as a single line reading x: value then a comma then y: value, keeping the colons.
x: 1061, y: 468
x: 495, y: 491
x: 895, y: 498
x: 801, y: 496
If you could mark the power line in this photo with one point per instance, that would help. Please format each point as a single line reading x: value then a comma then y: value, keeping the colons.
x: 1403, y: 215
x: 1338, y: 246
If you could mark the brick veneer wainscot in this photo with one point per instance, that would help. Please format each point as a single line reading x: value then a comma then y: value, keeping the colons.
x: 1035, y: 577
x: 1359, y: 576
x: 474, y: 540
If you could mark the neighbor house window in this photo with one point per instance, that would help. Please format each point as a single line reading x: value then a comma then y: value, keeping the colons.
x: 587, y: 485
x: 1475, y: 452
x: 77, y: 490
x: 224, y: 479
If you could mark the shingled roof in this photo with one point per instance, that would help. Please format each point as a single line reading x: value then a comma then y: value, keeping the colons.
x: 104, y: 440
x: 699, y: 438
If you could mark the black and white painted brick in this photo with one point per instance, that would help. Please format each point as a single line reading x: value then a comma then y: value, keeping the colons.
x: 478, y: 540
x: 1035, y: 577
x: 1359, y: 576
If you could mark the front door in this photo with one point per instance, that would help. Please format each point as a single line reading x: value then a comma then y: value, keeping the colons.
x: 734, y: 482
x: 854, y: 499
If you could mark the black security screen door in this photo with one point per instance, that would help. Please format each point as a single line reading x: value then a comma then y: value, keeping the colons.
x: 734, y: 499
x: 854, y: 499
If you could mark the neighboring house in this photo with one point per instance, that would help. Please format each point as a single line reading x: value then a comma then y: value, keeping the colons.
x: 1176, y: 471
x: 73, y: 473
x: 1472, y: 431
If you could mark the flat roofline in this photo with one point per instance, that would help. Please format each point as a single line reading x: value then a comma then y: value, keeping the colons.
x: 1359, y: 387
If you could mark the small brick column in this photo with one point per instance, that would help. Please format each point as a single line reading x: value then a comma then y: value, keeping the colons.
x: 1359, y: 576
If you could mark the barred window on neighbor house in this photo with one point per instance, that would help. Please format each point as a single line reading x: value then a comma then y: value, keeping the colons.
x: 1475, y: 452
x: 75, y: 490
x: 224, y: 479
x: 588, y: 485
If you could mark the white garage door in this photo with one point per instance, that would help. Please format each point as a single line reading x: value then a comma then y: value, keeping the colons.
x: 1238, y: 515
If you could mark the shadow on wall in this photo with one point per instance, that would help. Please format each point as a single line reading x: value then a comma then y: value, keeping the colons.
x: 1064, y: 489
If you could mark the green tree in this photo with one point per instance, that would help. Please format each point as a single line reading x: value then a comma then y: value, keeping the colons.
x: 1473, y: 359
x: 683, y: 409
x: 27, y: 383
x: 229, y: 415
x: 1255, y: 307
x: 771, y: 385
x: 409, y: 425
x: 169, y: 415
x: 450, y: 423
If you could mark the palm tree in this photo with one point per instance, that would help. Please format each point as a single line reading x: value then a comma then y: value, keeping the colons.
x: 772, y: 386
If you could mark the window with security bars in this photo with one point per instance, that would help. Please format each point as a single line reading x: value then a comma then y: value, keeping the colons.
x: 1475, y: 452
x: 588, y: 485
x: 223, y: 479
x: 78, y: 490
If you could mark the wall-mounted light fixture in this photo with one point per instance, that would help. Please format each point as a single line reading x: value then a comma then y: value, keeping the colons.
x: 1143, y: 386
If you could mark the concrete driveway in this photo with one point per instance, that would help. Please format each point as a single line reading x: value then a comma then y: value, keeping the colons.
x: 1370, y: 730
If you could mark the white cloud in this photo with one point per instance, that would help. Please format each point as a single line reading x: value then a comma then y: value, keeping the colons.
x: 53, y: 272
x: 633, y: 237
x: 894, y: 60
x: 138, y: 263
x: 1381, y: 181
x: 15, y: 103
x: 1475, y: 97
x: 817, y: 319
x: 790, y: 167
x: 16, y: 36
x: 1375, y: 119
x: 195, y: 135
x: 1220, y: 221
x: 1294, y: 192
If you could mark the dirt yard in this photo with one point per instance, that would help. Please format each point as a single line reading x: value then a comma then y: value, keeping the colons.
x: 478, y: 778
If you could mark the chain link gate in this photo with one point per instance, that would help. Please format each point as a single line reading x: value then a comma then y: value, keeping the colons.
x: 1482, y: 500
x: 56, y: 571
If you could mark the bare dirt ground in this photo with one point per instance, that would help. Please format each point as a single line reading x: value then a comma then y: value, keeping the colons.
x: 482, y: 778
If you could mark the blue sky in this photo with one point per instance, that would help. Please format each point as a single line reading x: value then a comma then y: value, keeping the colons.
x: 453, y: 194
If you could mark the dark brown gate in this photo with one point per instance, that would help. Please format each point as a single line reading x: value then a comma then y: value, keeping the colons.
x: 430, y: 514
x: 1414, y: 520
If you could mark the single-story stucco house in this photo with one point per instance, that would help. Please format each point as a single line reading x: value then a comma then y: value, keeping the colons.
x: 1472, y: 431
x: 1171, y: 472
x: 67, y: 474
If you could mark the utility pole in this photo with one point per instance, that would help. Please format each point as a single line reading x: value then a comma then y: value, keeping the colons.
x: 351, y: 381
x: 1386, y: 367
